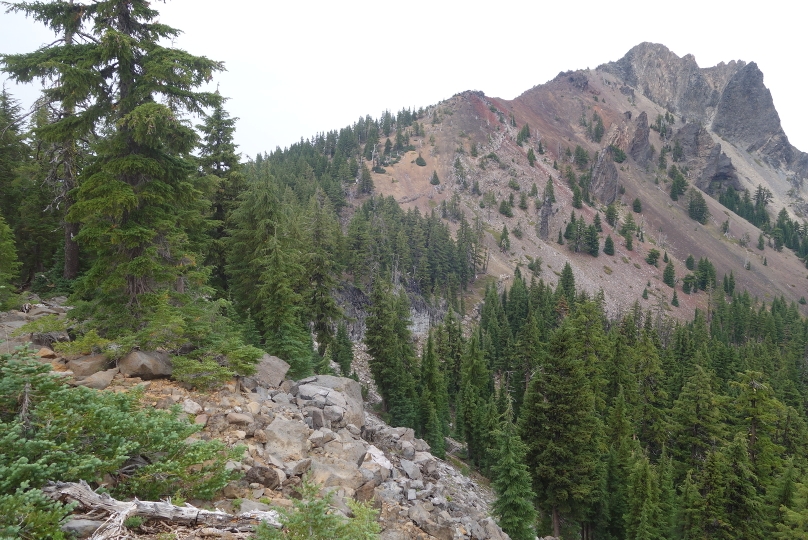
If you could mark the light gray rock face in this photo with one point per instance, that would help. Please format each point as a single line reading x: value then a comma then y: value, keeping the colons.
x: 269, y: 373
x: 678, y: 84
x: 146, y: 365
x: 100, y: 380
x: 729, y: 97
x: 746, y: 116
x: 713, y: 170
x: 287, y: 439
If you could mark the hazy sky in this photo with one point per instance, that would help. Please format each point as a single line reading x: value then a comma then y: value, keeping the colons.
x: 295, y: 68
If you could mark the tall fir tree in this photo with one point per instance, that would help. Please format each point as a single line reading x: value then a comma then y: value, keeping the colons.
x: 219, y: 163
x: 137, y: 197
x: 561, y: 430
x: 513, y: 507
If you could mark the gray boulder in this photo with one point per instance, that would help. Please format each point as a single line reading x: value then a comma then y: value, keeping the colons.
x: 269, y: 373
x: 146, y: 364
x: 87, y: 365
x: 100, y: 380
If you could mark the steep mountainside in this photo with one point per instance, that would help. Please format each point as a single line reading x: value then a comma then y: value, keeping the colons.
x: 717, y: 126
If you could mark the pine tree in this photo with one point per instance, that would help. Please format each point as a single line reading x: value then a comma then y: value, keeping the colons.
x: 675, y: 299
x: 549, y: 191
x: 696, y: 421
x: 285, y: 332
x: 566, y: 284
x: 504, y: 240
x: 643, y: 516
x: 513, y: 507
x: 611, y: 214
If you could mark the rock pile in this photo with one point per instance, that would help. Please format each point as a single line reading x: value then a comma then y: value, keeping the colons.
x: 316, y: 425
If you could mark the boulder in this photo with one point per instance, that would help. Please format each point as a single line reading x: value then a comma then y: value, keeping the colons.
x: 146, y: 364
x: 82, y: 528
x: 240, y: 418
x: 412, y: 470
x: 266, y: 476
x: 333, y: 472
x: 87, y: 365
x: 287, y: 439
x: 350, y: 397
x: 375, y: 463
x: 100, y: 380
x: 269, y: 373
x: 190, y: 406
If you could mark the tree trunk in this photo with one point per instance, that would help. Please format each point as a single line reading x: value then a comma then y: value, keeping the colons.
x: 556, y: 522
x: 120, y: 510
x: 71, y: 269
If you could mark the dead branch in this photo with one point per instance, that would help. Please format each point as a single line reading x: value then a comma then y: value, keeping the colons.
x: 83, y: 494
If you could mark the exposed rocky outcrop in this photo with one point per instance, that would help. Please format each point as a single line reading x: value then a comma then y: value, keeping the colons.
x: 604, y: 178
x: 712, y: 170
x: 746, y: 116
x: 640, y: 147
x: 678, y: 84
x: 729, y: 97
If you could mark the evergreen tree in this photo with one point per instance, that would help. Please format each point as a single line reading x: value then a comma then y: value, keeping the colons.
x: 513, y: 507
x: 608, y: 245
x: 365, y: 180
x: 560, y: 427
x: 566, y: 284
x: 669, y: 274
x: 220, y: 163
x: 434, y: 405
x: 504, y: 240
x: 549, y: 192
x: 136, y: 199
x: 342, y: 349
x: 611, y: 214
x: 9, y: 265
x: 392, y: 358
x: 690, y: 263
x: 697, y: 421
x: 675, y: 299
x: 643, y: 516
x: 285, y: 333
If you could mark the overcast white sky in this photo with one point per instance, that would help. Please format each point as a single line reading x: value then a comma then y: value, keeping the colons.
x: 295, y: 68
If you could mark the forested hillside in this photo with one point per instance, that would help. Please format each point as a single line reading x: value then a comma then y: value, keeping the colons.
x: 595, y: 422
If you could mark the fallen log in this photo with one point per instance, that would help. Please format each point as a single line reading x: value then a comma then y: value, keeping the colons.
x: 119, y: 511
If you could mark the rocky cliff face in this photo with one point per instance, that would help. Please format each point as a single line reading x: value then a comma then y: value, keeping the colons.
x: 729, y: 98
x: 702, y: 154
x: 678, y: 84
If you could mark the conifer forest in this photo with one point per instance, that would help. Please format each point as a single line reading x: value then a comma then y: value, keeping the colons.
x: 123, y: 190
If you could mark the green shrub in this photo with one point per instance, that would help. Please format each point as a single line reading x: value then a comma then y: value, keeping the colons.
x: 310, y: 520
x: 31, y: 515
x: 71, y: 434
